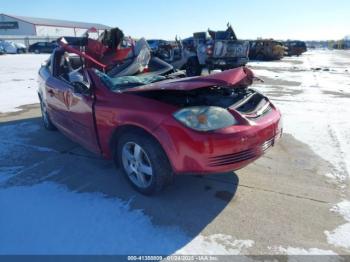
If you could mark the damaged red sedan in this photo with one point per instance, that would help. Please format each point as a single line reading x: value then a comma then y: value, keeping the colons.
x: 151, y: 120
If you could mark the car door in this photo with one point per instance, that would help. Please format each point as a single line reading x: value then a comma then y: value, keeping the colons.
x: 79, y: 107
x: 55, y: 93
x: 71, y: 108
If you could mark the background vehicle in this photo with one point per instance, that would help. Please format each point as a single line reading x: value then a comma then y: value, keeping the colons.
x: 152, y: 123
x: 222, y: 50
x: 21, y: 48
x: 2, y: 51
x: 10, y: 47
x: 266, y: 49
x: 295, y: 48
x: 42, y: 47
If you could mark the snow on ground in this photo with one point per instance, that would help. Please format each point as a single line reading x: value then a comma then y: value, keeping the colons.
x: 313, y: 95
x: 215, y: 244
x: 18, y: 80
x: 302, y: 251
x: 315, y: 105
x: 49, y: 219
x: 341, y: 235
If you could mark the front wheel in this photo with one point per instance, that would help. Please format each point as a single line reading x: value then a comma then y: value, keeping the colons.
x: 143, y: 162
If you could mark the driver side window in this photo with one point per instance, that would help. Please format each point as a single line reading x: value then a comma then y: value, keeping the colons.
x: 69, y: 68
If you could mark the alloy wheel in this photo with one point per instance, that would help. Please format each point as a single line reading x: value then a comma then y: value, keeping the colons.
x: 137, y: 165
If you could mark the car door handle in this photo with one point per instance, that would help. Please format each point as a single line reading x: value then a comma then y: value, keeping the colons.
x: 51, y: 92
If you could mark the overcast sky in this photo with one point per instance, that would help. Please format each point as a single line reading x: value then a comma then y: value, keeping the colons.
x: 280, y: 19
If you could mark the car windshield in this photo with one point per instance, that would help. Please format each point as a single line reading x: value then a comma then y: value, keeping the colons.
x: 123, y: 82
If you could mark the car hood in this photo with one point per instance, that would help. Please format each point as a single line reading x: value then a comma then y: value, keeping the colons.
x: 238, y: 77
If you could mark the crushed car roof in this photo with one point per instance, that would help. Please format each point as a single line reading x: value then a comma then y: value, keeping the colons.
x: 234, y: 78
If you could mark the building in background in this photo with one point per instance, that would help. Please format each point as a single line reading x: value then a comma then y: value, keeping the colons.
x: 31, y: 29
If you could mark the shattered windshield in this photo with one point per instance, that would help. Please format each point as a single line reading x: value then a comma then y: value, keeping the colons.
x: 123, y: 82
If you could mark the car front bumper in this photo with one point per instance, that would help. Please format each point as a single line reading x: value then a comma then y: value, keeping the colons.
x: 229, y: 149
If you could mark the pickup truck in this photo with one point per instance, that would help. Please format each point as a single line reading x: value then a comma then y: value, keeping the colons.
x: 221, y: 50
x: 224, y: 50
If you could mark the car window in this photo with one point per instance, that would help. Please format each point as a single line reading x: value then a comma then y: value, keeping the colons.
x: 69, y: 68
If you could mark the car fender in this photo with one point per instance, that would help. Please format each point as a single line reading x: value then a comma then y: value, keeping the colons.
x: 110, y: 121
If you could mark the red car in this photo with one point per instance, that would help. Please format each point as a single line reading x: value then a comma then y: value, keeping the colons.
x: 156, y: 125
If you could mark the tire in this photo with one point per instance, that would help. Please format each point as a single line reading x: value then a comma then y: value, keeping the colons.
x: 193, y: 68
x: 45, y: 117
x: 37, y: 51
x: 143, y: 162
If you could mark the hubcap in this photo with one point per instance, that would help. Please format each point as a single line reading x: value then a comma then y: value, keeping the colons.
x: 137, y: 164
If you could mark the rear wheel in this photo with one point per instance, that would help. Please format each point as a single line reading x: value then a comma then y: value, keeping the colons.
x: 45, y: 117
x: 193, y: 68
x: 143, y: 162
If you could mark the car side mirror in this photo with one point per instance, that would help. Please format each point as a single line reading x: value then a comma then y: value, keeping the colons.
x: 80, y: 88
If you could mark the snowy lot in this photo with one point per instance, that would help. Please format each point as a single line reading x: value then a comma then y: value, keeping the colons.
x: 18, y: 81
x: 57, y: 198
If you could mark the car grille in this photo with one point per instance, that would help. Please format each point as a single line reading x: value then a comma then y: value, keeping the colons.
x: 240, y: 156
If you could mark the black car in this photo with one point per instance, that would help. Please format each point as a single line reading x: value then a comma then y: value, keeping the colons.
x: 42, y: 47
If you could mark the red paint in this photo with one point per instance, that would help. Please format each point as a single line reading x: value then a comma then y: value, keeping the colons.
x: 233, y: 78
x: 189, y: 151
x: 97, y: 54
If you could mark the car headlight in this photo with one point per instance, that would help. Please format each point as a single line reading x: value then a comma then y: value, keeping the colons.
x: 205, y: 118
